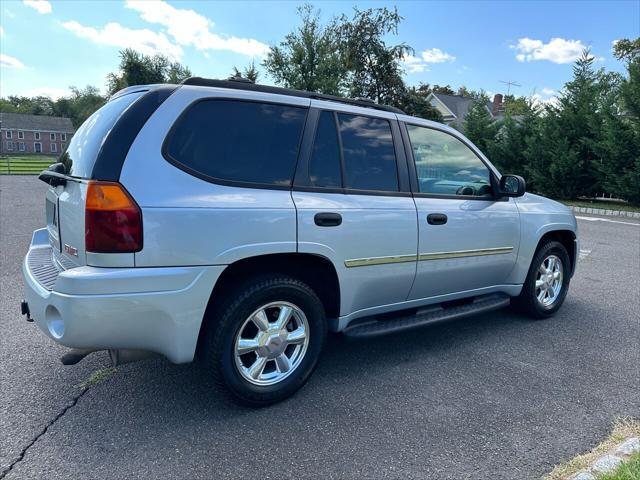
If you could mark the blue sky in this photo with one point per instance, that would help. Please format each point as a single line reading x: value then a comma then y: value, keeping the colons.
x: 48, y: 46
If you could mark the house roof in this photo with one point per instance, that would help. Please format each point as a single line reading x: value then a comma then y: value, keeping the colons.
x: 457, y: 104
x: 21, y: 121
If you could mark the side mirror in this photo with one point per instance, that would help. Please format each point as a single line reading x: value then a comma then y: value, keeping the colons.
x: 512, y: 186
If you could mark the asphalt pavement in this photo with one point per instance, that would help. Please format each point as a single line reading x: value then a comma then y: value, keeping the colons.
x: 492, y: 396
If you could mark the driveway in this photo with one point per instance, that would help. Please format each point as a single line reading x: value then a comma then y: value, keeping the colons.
x: 493, y: 396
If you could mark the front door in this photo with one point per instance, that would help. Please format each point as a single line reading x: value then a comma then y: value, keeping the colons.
x: 351, y: 208
x: 468, y: 238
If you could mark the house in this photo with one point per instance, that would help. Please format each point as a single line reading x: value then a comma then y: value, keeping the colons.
x: 454, y: 108
x: 28, y: 134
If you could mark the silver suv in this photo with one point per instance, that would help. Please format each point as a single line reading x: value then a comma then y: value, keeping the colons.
x: 239, y: 223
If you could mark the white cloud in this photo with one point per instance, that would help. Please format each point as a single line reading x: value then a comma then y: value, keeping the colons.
x: 8, y: 61
x: 558, y: 50
x: 414, y: 64
x: 548, y: 91
x: 142, y: 40
x: 435, y: 55
x: 189, y: 28
x: 51, y: 92
x: 1, y: 32
x: 417, y: 64
x: 41, y: 6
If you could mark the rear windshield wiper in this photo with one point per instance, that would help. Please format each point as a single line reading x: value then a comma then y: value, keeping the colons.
x: 56, y: 175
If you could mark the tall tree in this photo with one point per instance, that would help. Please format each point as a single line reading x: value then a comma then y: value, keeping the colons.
x: 308, y: 58
x: 249, y: 72
x: 374, y: 67
x: 479, y: 126
x: 139, y: 69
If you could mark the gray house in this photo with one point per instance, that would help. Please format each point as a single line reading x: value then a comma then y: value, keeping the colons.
x: 22, y: 134
x: 454, y: 108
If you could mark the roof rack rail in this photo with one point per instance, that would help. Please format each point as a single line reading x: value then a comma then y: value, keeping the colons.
x: 239, y: 83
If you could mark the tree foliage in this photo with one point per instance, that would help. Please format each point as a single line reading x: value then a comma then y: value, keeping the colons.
x: 308, y: 58
x: 139, y: 69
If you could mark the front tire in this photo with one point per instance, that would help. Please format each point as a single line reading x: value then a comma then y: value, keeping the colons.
x: 263, y: 344
x: 547, y: 282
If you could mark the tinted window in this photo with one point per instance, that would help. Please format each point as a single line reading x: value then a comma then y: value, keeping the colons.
x: 446, y: 166
x: 324, y: 168
x: 82, y: 153
x: 369, y: 157
x: 238, y: 141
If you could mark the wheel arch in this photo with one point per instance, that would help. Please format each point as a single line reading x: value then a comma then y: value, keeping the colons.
x: 315, y: 270
x: 568, y: 239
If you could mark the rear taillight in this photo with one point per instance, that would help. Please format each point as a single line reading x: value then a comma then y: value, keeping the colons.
x: 113, y: 220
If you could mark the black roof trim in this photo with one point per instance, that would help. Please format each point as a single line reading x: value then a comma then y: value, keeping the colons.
x: 246, y: 85
x: 118, y: 141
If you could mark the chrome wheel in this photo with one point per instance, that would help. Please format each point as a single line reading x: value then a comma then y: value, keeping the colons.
x: 271, y: 343
x: 549, y: 281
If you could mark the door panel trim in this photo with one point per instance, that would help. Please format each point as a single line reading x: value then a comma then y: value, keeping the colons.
x: 365, y: 262
x: 465, y: 253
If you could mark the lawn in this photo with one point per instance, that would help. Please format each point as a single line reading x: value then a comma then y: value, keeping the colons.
x: 603, y: 204
x: 25, y: 165
x: 629, y: 470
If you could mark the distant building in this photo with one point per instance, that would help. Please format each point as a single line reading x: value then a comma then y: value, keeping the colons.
x: 22, y: 134
x: 454, y: 108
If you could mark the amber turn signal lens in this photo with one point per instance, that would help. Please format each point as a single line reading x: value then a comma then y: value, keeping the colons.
x: 113, y: 220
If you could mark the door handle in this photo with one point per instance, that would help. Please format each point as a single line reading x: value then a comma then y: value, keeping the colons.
x: 436, y: 219
x: 327, y: 219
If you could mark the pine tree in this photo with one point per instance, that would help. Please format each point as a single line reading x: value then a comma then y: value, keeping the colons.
x: 479, y: 126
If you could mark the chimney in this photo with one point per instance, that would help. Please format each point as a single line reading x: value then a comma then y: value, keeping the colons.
x: 498, y: 106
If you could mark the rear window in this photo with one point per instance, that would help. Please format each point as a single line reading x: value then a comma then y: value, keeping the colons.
x: 81, y: 154
x: 237, y: 141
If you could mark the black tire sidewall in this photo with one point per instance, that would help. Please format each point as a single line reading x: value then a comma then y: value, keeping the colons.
x: 530, y: 302
x: 280, y: 289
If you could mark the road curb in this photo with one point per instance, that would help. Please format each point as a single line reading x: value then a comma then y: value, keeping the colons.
x: 605, y: 212
x: 610, y: 461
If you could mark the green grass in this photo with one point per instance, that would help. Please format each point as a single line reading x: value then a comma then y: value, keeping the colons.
x: 629, y: 470
x: 25, y: 165
x: 97, y: 377
x: 603, y: 204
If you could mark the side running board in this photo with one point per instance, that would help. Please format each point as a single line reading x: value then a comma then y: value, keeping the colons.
x: 427, y: 316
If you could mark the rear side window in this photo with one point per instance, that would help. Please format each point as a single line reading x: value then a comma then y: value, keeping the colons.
x: 82, y: 153
x: 369, y: 156
x: 324, y: 167
x: 238, y: 141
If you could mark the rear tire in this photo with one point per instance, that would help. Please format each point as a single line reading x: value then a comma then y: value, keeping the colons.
x: 250, y: 347
x: 547, y: 282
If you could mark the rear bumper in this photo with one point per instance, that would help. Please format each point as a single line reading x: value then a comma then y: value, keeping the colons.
x: 155, y: 309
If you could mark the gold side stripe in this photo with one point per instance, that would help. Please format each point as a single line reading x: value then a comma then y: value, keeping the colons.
x: 364, y: 262
x: 465, y: 253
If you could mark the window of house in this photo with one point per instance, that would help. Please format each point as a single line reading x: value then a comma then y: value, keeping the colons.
x: 37, y: 135
x: 446, y: 166
x: 10, y: 146
x: 37, y: 147
x: 324, y: 166
x: 20, y: 135
x: 54, y: 148
x: 368, y: 153
x: 9, y: 134
x: 238, y: 141
x: 63, y: 137
x: 21, y: 146
x: 52, y: 136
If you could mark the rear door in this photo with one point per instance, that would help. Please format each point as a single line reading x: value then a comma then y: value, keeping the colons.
x: 354, y: 206
x: 468, y: 238
x: 65, y: 205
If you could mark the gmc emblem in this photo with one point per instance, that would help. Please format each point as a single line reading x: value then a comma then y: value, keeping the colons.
x: 71, y: 250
